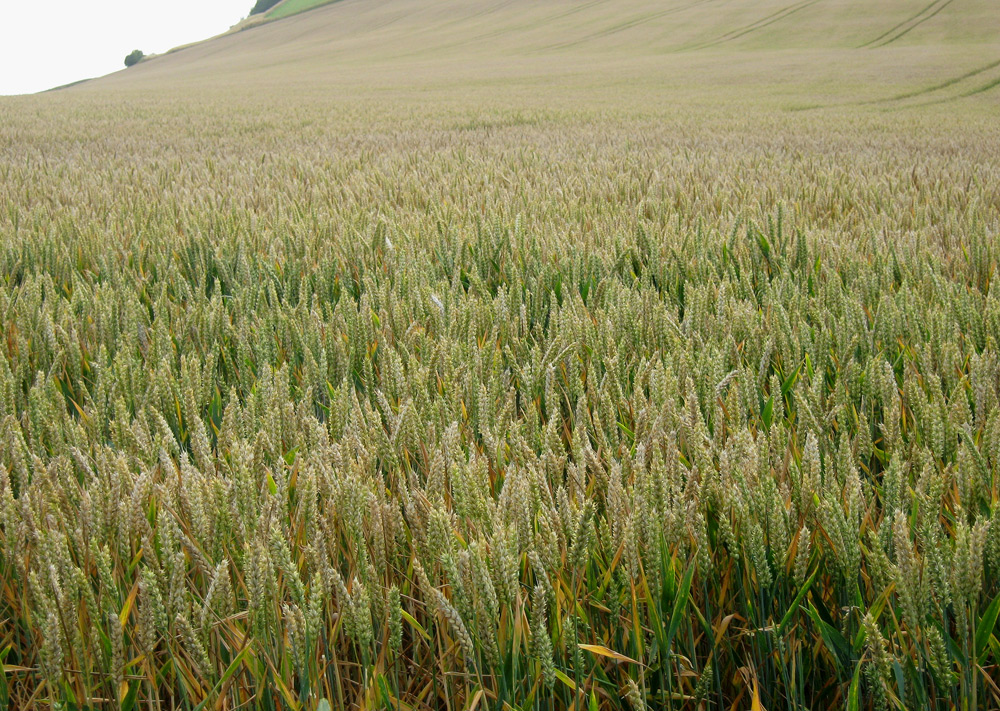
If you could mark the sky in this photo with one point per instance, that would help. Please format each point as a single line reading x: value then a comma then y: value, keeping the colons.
x: 48, y: 43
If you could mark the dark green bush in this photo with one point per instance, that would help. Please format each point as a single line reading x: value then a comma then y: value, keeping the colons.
x: 134, y: 57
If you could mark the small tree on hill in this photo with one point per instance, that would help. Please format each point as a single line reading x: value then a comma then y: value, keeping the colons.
x: 134, y: 57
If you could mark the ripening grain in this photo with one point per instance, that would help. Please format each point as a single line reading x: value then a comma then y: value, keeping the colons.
x: 497, y: 401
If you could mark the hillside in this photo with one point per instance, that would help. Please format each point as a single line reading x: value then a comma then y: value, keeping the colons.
x: 294, y: 7
x: 798, y: 54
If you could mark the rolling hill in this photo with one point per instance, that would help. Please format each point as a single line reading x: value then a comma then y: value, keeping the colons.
x: 294, y: 7
x: 794, y: 53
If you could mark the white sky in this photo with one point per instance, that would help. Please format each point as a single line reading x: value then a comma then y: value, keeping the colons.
x: 47, y: 43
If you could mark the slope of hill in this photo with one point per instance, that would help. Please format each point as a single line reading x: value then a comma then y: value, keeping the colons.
x: 797, y: 53
x: 294, y: 7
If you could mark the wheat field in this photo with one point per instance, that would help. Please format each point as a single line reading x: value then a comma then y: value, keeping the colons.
x: 396, y: 356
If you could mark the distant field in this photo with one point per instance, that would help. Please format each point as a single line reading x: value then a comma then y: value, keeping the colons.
x: 293, y: 7
x: 520, y: 355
